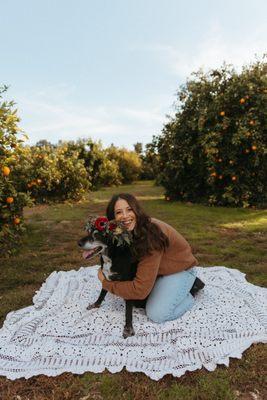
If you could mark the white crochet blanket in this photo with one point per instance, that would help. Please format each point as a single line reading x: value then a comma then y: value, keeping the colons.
x: 57, y: 333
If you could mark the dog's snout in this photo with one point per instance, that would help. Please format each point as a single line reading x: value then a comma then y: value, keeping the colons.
x: 80, y: 243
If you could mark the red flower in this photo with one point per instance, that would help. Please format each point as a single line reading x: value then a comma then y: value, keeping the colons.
x: 100, y: 223
x: 112, y: 226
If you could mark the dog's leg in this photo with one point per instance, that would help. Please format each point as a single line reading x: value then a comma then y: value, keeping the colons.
x: 140, y: 303
x: 128, y: 329
x: 98, y: 302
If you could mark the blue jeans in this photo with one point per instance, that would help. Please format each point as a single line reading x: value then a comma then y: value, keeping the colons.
x: 170, y: 297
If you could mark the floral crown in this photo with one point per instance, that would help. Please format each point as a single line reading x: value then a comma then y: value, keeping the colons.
x: 113, y: 230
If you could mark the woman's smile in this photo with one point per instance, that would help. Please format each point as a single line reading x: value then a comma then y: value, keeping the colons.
x: 128, y: 223
x: 124, y: 213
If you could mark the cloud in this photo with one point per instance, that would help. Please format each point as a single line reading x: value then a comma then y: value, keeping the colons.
x: 210, y: 51
x: 52, y: 113
x: 46, y: 116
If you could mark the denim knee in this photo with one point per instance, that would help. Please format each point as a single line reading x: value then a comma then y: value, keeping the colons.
x: 153, y: 314
x: 170, y: 297
x: 174, y: 312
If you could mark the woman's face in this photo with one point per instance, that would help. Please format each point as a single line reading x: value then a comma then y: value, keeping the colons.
x: 124, y: 213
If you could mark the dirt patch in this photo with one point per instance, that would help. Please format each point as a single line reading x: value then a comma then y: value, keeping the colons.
x: 29, y: 211
x: 228, y: 231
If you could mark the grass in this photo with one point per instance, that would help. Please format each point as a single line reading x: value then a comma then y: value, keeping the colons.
x: 236, y: 238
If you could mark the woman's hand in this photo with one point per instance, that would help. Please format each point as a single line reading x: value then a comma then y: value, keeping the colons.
x: 100, y: 275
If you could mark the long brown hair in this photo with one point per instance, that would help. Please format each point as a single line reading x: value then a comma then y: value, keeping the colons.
x: 147, y: 235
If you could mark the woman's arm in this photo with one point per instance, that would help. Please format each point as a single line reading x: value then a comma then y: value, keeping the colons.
x: 140, y: 287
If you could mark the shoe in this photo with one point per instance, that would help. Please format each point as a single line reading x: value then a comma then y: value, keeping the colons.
x: 198, y: 284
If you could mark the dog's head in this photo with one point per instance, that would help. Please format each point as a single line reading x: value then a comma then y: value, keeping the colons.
x: 103, y: 237
x: 93, y: 244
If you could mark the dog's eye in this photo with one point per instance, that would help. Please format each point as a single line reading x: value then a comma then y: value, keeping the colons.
x: 96, y: 235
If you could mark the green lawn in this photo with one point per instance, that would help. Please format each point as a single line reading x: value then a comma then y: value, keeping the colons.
x: 236, y: 238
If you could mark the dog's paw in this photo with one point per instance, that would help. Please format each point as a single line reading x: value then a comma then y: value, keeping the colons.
x: 128, y: 331
x: 92, y: 306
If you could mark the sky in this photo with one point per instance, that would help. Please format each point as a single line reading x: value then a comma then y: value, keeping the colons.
x: 110, y: 69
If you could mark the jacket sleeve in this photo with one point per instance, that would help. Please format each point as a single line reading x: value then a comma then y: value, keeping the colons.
x: 140, y: 287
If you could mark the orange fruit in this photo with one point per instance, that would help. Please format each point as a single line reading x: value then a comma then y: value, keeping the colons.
x: 220, y: 176
x: 39, y: 180
x: 6, y: 171
x: 254, y: 147
x: 16, y: 221
x: 220, y: 160
x: 222, y: 113
x: 233, y: 178
x: 231, y: 162
x: 247, y: 151
x: 213, y: 174
x: 242, y: 101
x: 9, y: 200
x: 251, y: 122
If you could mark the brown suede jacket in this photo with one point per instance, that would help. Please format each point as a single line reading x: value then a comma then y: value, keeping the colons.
x: 177, y: 257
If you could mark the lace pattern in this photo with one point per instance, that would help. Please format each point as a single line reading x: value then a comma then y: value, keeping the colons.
x: 57, y: 334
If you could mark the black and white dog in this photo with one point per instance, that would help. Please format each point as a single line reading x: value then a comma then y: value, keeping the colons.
x: 117, y: 265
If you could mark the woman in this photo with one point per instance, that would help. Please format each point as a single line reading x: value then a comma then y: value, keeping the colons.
x: 165, y: 263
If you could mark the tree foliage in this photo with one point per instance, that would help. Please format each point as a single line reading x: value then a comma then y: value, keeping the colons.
x: 214, y: 149
x: 129, y: 163
x: 12, y: 200
x: 150, y: 161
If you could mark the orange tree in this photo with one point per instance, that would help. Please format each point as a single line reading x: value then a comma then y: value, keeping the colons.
x: 129, y: 162
x: 36, y: 172
x: 150, y: 161
x: 107, y: 167
x: 12, y: 200
x: 214, y: 149
x: 74, y: 182
x: 101, y: 170
x: 51, y: 173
